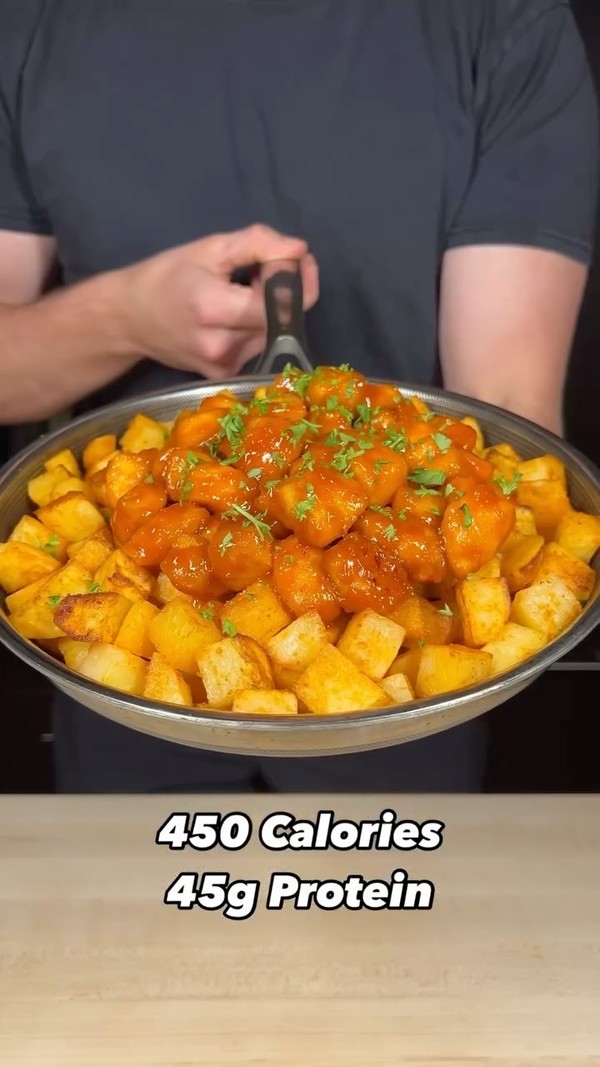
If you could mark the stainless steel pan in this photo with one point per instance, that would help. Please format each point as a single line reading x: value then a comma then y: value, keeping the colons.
x: 305, y: 735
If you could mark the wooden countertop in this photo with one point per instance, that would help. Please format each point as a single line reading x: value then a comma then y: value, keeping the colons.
x: 504, y: 971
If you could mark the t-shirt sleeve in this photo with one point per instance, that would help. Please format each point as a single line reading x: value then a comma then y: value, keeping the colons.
x: 535, y: 180
x: 19, y: 210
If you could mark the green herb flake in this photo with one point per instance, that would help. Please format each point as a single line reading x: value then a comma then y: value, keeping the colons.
x: 345, y: 368
x: 420, y: 643
x: 446, y: 610
x: 207, y: 613
x: 334, y: 439
x: 233, y: 428
x: 396, y: 441
x: 379, y: 509
x: 428, y: 416
x: 298, y: 430
x: 424, y: 491
x: 441, y: 441
x: 379, y: 464
x: 229, y: 628
x: 308, y: 462
x: 94, y: 587
x: 277, y: 459
x: 506, y: 486
x: 467, y: 517
x: 426, y: 476
x: 250, y: 596
x: 186, y: 490
x: 238, y: 510
x: 303, y: 507
x: 50, y: 544
x: 54, y: 600
x: 192, y: 460
x: 254, y: 473
x: 401, y: 515
x: 270, y: 486
x: 226, y: 543
x: 149, y: 480
x: 390, y: 533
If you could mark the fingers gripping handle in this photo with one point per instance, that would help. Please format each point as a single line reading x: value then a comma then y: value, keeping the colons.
x: 284, y: 305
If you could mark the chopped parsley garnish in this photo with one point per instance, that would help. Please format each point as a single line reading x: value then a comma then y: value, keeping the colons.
x: 255, y: 472
x: 390, y: 533
x: 300, y: 383
x: 186, y: 490
x: 262, y: 527
x: 424, y: 491
x: 226, y: 543
x: 420, y: 643
x: 94, y: 587
x: 402, y: 515
x: 298, y: 430
x: 449, y: 489
x: 435, y: 510
x: 345, y: 367
x: 261, y: 404
x: 426, y: 476
x: 50, y: 544
x: 303, y: 507
x: 231, y: 460
x: 430, y: 455
x: 207, y: 613
x: 365, y: 414
x: 54, y: 600
x: 441, y: 441
x: 428, y: 416
x: 269, y: 486
x: 396, y: 441
x: 149, y: 480
x: 250, y: 596
x: 193, y: 460
x: 467, y: 517
x: 233, y: 428
x: 332, y: 404
x: 307, y: 462
x: 446, y: 610
x: 506, y: 486
x: 334, y: 439
x: 379, y: 464
x: 229, y: 628
x: 278, y: 460
x: 379, y: 509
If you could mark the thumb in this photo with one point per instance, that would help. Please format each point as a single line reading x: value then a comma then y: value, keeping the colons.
x: 225, y: 253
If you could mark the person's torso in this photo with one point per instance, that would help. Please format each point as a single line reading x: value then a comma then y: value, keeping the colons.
x: 147, y: 123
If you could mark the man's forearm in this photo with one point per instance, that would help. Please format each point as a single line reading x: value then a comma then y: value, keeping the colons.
x: 62, y: 348
x: 521, y: 386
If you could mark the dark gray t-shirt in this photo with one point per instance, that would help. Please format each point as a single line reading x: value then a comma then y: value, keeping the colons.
x: 384, y: 131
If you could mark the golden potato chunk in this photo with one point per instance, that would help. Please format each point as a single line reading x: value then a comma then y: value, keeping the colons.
x: 230, y: 665
x: 407, y: 663
x: 98, y: 449
x: 92, y: 552
x: 22, y: 564
x: 493, y: 569
x: 513, y: 646
x: 164, y: 590
x: 548, y: 500
x: 92, y: 616
x: 524, y: 520
x: 399, y: 688
x: 16, y: 601
x: 580, y: 534
x: 580, y: 578
x: 333, y: 685
x: 166, y: 684
x: 40, y: 488
x: 115, y: 668
x: 65, y: 459
x: 484, y: 605
x: 30, y: 531
x: 299, y: 643
x: 72, y: 652
x: 142, y: 433
x: 548, y: 606
x: 257, y: 612
x: 445, y: 668
x: 521, y: 559
x: 73, y: 517
x: 180, y: 633
x: 119, y: 574
x: 264, y: 702
x: 134, y: 634
x: 543, y: 469
x: 35, y: 619
x: 372, y: 643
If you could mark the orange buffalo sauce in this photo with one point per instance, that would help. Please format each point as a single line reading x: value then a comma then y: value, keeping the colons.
x: 343, y: 493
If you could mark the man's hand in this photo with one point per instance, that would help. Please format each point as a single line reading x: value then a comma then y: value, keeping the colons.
x: 182, y: 309
x: 507, y: 320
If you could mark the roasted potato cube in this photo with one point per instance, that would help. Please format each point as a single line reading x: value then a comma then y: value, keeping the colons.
x: 71, y: 485
x: 493, y: 569
x: 332, y: 685
x: 549, y: 502
x: 72, y: 652
x: 142, y: 433
x: 180, y: 633
x: 336, y: 628
x: 134, y: 634
x: 123, y: 472
x: 230, y: 665
x: 73, y: 517
x: 504, y: 460
x: 514, y: 645
x: 30, y: 531
x: 543, y: 469
x: 423, y: 622
x: 115, y: 668
x: 40, y: 489
x: 372, y: 643
x: 35, y: 620
x: 264, y: 702
x: 580, y: 534
x: 65, y: 459
x: 120, y: 574
x: 398, y: 688
x: 299, y: 643
x: 407, y: 663
x: 94, y: 617
x: 92, y: 552
x: 521, y: 559
x: 98, y: 449
x: 16, y: 601
x: 257, y: 612
x: 166, y: 684
x: 524, y: 520
x: 580, y: 578
x: 484, y: 605
x: 445, y: 668
x: 22, y: 564
x: 548, y: 606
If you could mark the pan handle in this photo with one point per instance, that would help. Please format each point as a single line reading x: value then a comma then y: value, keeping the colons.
x: 284, y: 304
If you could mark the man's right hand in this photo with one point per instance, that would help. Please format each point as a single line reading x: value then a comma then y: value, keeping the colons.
x: 182, y: 309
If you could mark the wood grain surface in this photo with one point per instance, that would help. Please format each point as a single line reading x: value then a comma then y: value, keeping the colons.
x: 504, y: 971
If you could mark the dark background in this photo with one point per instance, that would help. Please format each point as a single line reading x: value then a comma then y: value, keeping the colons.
x: 542, y: 741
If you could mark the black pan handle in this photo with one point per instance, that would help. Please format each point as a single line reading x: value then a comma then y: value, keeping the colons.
x: 284, y: 306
